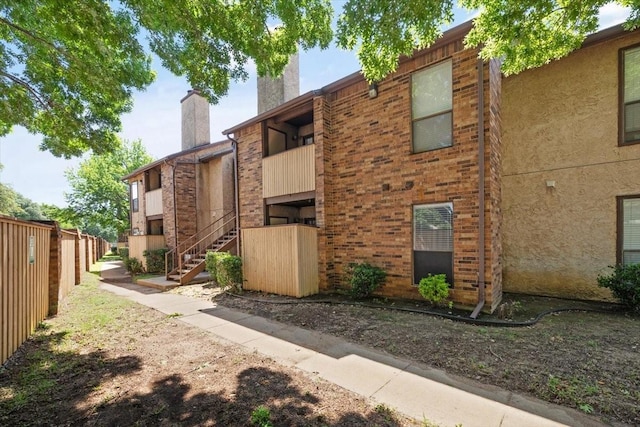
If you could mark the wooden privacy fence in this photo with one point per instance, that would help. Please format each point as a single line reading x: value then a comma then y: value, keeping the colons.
x: 39, y: 266
x: 281, y: 259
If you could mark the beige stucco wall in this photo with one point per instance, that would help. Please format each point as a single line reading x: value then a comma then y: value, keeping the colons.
x: 560, y: 123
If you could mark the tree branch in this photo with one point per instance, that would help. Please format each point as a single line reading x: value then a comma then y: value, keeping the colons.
x: 34, y: 36
x: 24, y: 84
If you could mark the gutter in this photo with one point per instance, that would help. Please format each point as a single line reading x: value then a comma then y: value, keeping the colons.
x: 234, y: 145
x: 481, y: 177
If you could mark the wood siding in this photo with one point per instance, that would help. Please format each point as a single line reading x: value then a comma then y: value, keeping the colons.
x: 153, y: 202
x: 24, y: 292
x: 68, y: 264
x: 281, y: 260
x: 290, y: 172
x: 139, y: 244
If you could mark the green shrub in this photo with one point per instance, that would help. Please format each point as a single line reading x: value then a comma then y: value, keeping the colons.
x: 124, y: 253
x: 261, y: 417
x: 434, y: 288
x: 155, y: 260
x: 364, y: 279
x: 624, y: 283
x: 114, y: 250
x: 133, y: 266
x: 225, y: 269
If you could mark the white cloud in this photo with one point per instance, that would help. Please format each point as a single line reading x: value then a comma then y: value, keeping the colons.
x: 612, y: 14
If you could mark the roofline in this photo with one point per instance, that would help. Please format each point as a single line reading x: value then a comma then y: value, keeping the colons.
x: 353, y: 78
x: 171, y: 157
x: 604, y: 35
x: 357, y: 77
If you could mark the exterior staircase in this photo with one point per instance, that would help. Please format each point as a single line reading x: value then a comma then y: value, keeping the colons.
x: 185, y: 262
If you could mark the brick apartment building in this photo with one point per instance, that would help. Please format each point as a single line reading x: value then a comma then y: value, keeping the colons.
x: 502, y: 183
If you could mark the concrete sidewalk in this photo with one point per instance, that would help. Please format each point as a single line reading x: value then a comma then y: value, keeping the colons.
x: 416, y: 391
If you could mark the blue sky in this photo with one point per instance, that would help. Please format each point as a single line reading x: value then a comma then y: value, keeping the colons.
x: 155, y: 118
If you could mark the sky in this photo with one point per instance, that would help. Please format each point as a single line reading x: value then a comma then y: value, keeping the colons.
x: 155, y: 118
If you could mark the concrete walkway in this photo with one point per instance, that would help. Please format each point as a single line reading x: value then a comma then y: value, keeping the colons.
x: 416, y: 391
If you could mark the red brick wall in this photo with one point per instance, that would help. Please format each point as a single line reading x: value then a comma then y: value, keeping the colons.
x: 371, y: 148
x: 364, y: 145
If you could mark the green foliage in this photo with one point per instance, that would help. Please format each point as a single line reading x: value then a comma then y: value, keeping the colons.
x: 16, y: 205
x: 133, y: 265
x: 434, y: 288
x: 624, y: 283
x: 68, y: 69
x: 225, y: 269
x: 261, y: 417
x: 124, y: 253
x: 364, y: 279
x: 98, y: 195
x: 155, y: 260
x: 521, y: 34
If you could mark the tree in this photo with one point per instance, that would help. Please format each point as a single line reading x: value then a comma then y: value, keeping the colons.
x: 98, y: 196
x: 523, y: 34
x: 68, y: 69
x: 16, y: 205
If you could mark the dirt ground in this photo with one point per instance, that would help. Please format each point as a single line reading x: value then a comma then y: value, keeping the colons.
x: 585, y: 360
x: 104, y: 361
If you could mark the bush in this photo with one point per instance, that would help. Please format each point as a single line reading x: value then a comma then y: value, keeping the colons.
x: 114, y: 250
x: 225, y: 269
x: 155, y: 260
x: 364, y: 279
x: 133, y: 266
x: 624, y: 283
x: 434, y: 288
x: 124, y: 253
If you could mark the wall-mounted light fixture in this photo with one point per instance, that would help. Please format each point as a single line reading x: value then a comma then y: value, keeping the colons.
x: 373, y: 90
x: 551, y: 184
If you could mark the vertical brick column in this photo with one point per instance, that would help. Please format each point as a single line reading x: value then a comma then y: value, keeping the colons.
x: 55, y: 268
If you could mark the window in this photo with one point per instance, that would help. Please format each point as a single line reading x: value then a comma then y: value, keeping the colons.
x: 134, y: 196
x: 629, y: 230
x: 630, y: 96
x: 431, y: 108
x: 433, y: 240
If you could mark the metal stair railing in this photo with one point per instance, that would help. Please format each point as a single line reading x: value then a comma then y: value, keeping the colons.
x: 204, y: 239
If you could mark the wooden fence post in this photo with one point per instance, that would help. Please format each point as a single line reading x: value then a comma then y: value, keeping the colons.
x: 55, y: 267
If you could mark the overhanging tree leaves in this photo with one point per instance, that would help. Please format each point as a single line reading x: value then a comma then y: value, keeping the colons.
x: 98, y: 194
x: 68, y: 69
x: 524, y: 34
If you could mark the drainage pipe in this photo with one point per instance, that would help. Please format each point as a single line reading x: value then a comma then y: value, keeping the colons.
x: 481, y: 177
x: 234, y: 145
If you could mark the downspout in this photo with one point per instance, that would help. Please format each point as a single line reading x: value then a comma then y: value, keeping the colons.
x: 234, y: 145
x: 481, y: 177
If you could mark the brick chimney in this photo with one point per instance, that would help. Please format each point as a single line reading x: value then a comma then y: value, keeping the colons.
x: 273, y: 92
x: 195, y: 120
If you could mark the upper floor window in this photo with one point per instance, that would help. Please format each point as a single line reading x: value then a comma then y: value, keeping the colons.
x: 630, y: 94
x: 432, y: 108
x: 629, y: 230
x: 134, y: 197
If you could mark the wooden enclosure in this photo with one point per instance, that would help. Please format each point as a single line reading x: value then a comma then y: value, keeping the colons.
x: 290, y: 172
x: 24, y: 281
x: 139, y: 244
x: 281, y: 259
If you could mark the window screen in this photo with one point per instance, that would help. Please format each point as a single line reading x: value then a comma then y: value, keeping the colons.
x: 433, y: 227
x: 631, y: 231
x: 431, y: 108
x: 631, y: 96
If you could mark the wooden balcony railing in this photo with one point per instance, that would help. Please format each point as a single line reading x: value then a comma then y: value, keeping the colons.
x: 289, y: 172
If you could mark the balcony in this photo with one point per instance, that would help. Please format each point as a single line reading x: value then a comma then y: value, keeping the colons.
x: 290, y: 172
x: 281, y: 259
x: 153, y: 202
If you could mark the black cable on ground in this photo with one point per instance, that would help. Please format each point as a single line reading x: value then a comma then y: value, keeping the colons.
x: 468, y: 320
